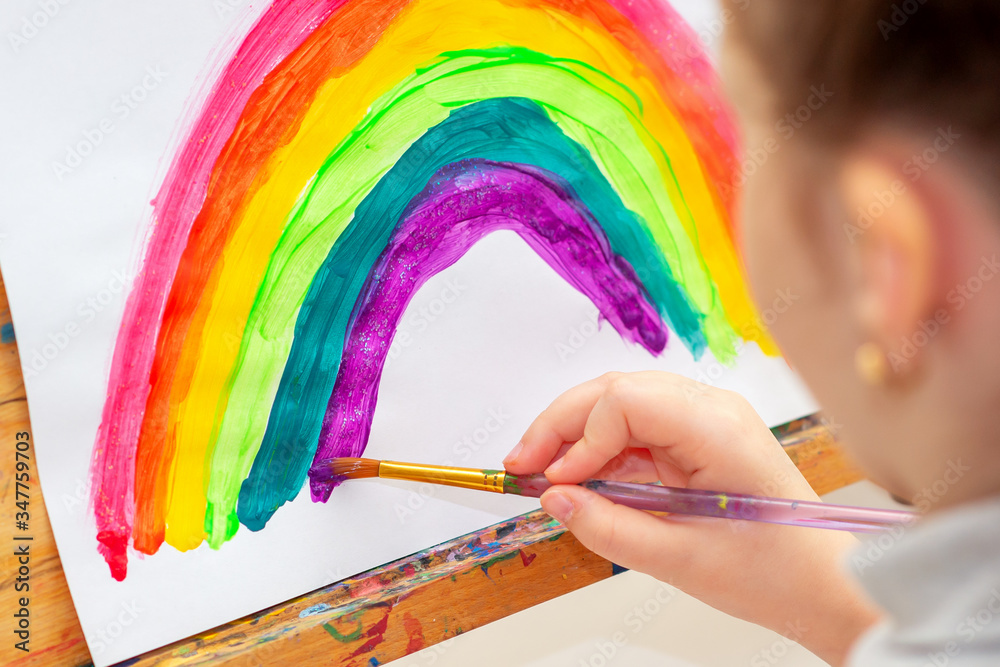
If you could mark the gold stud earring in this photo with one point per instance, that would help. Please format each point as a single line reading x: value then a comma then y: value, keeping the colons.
x: 871, y: 364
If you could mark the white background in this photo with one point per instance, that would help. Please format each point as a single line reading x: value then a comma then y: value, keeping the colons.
x: 68, y: 240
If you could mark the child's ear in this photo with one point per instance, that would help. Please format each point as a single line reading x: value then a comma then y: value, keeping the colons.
x: 894, y: 250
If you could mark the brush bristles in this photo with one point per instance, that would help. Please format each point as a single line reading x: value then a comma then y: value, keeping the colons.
x: 354, y: 468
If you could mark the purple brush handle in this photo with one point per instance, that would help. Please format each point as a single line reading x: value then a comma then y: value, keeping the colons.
x: 726, y: 505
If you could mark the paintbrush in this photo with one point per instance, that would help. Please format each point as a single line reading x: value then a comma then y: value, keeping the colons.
x: 650, y: 497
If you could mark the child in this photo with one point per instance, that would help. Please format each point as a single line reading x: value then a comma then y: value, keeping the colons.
x: 881, y: 212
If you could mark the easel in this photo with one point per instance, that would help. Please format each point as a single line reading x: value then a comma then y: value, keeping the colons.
x: 370, y: 619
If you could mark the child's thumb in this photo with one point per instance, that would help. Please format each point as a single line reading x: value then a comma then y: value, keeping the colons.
x: 625, y: 536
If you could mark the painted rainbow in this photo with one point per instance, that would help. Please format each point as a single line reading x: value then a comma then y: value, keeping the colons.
x: 350, y: 150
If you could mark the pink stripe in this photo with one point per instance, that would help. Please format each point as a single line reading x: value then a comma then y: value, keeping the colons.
x: 680, y: 47
x: 277, y: 33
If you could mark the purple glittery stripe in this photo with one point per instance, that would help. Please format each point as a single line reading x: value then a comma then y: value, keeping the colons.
x: 465, y: 202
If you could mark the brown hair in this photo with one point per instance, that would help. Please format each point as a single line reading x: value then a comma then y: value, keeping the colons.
x: 935, y: 63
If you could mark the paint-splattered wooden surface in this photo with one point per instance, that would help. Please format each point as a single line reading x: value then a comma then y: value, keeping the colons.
x: 367, y: 620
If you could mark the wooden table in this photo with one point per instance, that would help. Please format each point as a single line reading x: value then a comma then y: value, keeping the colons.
x: 369, y: 619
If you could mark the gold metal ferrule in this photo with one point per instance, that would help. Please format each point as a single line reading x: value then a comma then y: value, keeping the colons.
x: 465, y: 478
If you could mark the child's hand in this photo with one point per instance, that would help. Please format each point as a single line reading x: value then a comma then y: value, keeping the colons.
x: 648, y: 426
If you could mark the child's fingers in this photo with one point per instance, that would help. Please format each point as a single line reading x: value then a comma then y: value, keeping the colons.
x: 698, y: 435
x: 605, y: 435
x: 634, y: 464
x: 709, y: 435
x: 560, y: 423
x: 637, y: 464
x: 641, y: 407
x: 625, y: 536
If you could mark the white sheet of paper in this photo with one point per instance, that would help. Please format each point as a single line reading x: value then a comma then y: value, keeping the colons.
x: 491, y: 341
